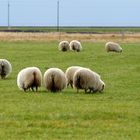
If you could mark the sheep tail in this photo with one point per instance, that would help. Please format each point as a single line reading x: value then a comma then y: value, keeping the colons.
x: 53, y: 89
x: 35, y: 81
x: 3, y: 74
x: 78, y: 83
x: 73, y: 46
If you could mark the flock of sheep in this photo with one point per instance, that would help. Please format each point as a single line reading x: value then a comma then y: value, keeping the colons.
x: 54, y: 79
x: 75, y: 45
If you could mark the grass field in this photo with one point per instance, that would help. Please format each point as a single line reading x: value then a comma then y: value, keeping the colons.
x: 113, y: 115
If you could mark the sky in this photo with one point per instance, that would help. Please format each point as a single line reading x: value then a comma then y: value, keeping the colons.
x: 71, y: 12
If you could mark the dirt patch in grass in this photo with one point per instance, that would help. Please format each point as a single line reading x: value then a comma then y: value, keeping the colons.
x: 21, y: 36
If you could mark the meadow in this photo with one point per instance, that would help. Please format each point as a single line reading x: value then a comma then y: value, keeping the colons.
x: 111, y: 115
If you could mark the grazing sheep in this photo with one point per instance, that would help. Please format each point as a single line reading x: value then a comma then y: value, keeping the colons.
x: 5, y: 68
x: 111, y: 46
x: 88, y: 80
x: 55, y: 79
x: 64, y: 46
x: 75, y: 46
x: 70, y: 73
x: 30, y: 77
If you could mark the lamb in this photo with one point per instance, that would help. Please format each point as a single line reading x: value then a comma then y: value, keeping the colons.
x: 29, y: 78
x: 75, y: 46
x: 88, y: 80
x: 64, y: 46
x: 111, y: 46
x: 70, y: 73
x: 55, y: 80
x: 5, y: 68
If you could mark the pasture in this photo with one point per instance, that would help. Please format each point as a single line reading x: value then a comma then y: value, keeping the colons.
x: 115, y: 114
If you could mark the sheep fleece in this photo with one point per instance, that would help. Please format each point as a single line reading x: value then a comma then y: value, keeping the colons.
x: 55, y: 79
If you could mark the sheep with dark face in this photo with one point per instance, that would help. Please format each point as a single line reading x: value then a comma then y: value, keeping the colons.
x: 112, y: 46
x: 5, y: 68
x: 64, y: 46
x: 75, y: 46
x: 29, y: 78
x: 70, y: 73
x: 55, y: 80
x: 88, y: 80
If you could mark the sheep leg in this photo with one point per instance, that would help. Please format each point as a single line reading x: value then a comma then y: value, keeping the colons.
x: 94, y: 90
x: 71, y: 83
x: 67, y: 84
x: 24, y: 89
x: 36, y: 88
x: 88, y: 90
x: 77, y: 90
x: 32, y: 89
x: 2, y: 76
x: 3, y: 73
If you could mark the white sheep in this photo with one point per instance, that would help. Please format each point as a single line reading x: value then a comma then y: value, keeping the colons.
x: 30, y: 77
x: 75, y: 46
x: 70, y: 73
x: 55, y: 79
x: 111, y: 46
x: 64, y: 46
x: 88, y: 80
x: 5, y: 68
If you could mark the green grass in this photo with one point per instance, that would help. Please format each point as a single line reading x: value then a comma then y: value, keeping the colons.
x: 113, y: 115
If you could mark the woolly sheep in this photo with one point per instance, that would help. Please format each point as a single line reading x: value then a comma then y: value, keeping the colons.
x: 88, y: 80
x: 111, y: 46
x: 64, y: 46
x: 75, y: 46
x: 55, y: 79
x: 5, y: 68
x: 30, y: 77
x: 70, y: 73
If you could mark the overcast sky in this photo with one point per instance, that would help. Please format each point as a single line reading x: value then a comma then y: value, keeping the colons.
x: 72, y: 12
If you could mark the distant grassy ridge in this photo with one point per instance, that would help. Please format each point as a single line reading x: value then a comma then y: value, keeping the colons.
x: 71, y: 29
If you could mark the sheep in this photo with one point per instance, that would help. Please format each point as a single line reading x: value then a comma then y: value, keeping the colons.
x: 29, y: 78
x: 88, y: 80
x: 69, y: 74
x: 64, y: 46
x: 111, y: 46
x: 55, y: 80
x: 75, y: 46
x: 5, y: 68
